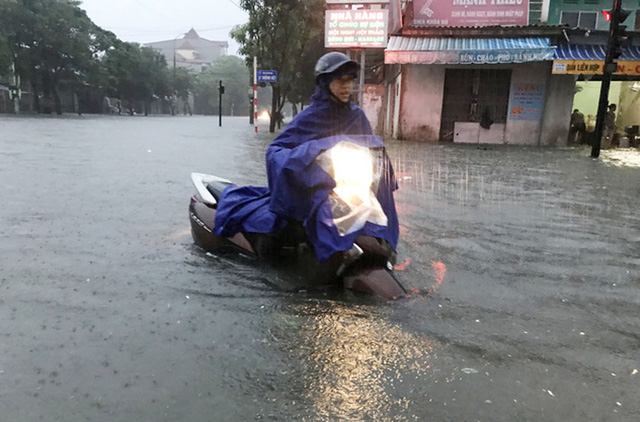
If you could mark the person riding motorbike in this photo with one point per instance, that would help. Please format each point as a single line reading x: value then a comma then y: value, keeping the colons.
x: 294, y: 200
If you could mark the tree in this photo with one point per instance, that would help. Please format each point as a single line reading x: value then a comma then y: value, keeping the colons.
x: 54, y: 42
x: 284, y: 35
x: 136, y: 74
x: 5, y: 51
x: 183, y: 83
x: 235, y: 76
x: 5, y: 56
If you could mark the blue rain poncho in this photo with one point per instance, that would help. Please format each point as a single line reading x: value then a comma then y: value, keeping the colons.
x: 302, y: 188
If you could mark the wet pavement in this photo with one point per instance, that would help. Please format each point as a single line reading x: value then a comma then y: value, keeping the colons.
x: 109, y: 313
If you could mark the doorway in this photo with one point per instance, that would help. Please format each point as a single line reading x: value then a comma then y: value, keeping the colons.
x: 470, y: 92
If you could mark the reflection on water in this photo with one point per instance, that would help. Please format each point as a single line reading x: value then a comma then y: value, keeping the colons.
x: 622, y: 157
x: 546, y: 184
x: 355, y: 359
x: 466, y: 177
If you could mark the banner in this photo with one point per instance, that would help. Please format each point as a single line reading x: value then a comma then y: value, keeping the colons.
x: 361, y: 28
x: 467, y: 57
x: 525, y: 101
x: 589, y: 67
x: 470, y: 12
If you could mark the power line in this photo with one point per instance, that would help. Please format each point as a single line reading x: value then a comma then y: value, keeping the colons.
x: 154, y: 11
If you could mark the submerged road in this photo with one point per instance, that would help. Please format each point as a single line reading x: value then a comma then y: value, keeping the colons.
x: 109, y: 313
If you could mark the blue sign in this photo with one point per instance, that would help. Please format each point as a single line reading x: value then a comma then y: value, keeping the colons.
x: 526, y: 101
x: 267, y: 76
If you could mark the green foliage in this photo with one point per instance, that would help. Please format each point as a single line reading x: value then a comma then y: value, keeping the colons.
x: 287, y: 36
x: 53, y: 42
x: 5, y: 56
x: 236, y: 80
x: 182, y: 82
x: 136, y: 73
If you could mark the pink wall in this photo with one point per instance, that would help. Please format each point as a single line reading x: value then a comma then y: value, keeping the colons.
x: 421, y: 102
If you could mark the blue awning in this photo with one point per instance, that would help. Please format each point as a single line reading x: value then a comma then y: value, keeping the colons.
x: 593, y: 52
x: 416, y: 50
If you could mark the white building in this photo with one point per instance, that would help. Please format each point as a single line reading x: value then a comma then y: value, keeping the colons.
x: 191, y: 51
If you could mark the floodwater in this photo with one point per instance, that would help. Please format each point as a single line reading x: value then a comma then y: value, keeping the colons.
x: 109, y: 313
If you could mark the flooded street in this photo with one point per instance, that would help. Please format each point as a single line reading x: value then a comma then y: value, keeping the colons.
x: 109, y: 313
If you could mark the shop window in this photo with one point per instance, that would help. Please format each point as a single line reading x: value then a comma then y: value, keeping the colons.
x: 570, y: 18
x: 592, y: 1
x: 588, y: 20
x: 579, y: 19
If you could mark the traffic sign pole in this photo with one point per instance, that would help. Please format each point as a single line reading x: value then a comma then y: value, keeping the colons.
x: 255, y: 93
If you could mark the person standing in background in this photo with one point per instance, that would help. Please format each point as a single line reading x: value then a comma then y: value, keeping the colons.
x: 609, y: 127
x: 577, y: 128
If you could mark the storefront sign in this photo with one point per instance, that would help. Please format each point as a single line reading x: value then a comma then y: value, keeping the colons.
x: 357, y: 1
x: 588, y: 67
x: 470, y: 12
x: 526, y: 101
x: 467, y: 57
x: 356, y: 28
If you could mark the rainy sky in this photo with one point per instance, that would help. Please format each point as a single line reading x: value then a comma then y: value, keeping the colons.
x: 146, y: 21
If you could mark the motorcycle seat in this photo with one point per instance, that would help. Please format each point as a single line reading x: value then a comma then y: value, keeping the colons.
x: 216, y: 188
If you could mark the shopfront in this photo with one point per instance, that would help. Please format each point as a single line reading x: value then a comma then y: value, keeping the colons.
x: 585, y: 63
x: 477, y: 90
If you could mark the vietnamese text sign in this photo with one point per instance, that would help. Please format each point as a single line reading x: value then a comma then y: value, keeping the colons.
x: 588, y: 67
x: 267, y: 75
x: 357, y: 1
x: 470, y: 12
x: 468, y: 57
x: 526, y: 101
x: 356, y: 28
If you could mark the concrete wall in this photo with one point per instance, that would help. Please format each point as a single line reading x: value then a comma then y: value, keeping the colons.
x: 372, y: 99
x: 629, y: 106
x: 417, y: 116
x: 557, y: 6
x: 526, y: 132
x: 557, y: 110
x: 421, y: 103
x: 588, y: 95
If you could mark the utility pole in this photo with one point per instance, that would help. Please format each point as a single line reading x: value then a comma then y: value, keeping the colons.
x: 617, y: 36
x: 255, y: 93
x: 250, y: 94
x: 221, y: 89
x: 14, y: 90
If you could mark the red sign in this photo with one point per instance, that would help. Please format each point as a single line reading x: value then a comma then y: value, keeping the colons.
x: 470, y: 12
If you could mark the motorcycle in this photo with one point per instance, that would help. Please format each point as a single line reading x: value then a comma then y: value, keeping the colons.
x: 365, y: 267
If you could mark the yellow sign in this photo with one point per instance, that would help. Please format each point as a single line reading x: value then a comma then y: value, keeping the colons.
x: 588, y: 67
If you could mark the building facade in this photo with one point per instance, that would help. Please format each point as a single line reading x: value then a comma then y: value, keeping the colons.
x: 476, y: 72
x: 588, y: 14
x: 191, y: 51
x: 581, y: 53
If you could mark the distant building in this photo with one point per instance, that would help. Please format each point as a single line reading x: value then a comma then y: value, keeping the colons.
x: 587, y: 14
x: 191, y: 51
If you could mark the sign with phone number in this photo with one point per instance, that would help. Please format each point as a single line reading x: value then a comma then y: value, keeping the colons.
x: 526, y: 101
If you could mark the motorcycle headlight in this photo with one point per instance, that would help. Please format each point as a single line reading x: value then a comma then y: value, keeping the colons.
x: 352, y: 172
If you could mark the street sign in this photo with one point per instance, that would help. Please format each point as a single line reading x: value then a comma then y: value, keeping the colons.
x: 267, y: 76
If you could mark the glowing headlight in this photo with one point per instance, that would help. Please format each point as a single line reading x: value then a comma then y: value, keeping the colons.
x: 353, y: 172
x: 353, y: 202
